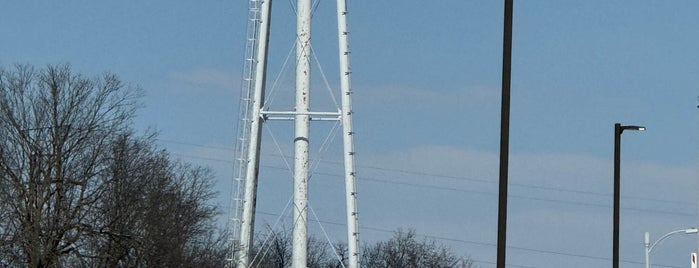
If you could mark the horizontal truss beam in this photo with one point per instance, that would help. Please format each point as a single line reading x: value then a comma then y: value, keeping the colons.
x: 289, y: 115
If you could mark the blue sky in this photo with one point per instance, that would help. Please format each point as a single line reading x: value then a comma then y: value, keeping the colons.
x: 426, y: 76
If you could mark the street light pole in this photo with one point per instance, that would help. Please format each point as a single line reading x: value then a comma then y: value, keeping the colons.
x: 618, y: 130
x: 504, y: 134
x: 650, y: 247
x: 646, y: 241
x: 617, y: 160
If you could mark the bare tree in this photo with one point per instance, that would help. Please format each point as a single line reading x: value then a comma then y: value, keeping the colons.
x: 56, y: 126
x: 78, y: 189
x: 177, y: 215
x: 404, y: 250
x: 273, y: 249
x: 342, y: 256
x: 117, y: 226
x: 156, y: 212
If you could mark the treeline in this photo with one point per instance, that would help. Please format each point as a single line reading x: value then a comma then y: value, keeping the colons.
x: 78, y: 188
x: 403, y: 250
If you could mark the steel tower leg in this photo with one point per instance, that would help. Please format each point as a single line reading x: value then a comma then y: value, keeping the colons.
x: 302, y: 125
x: 348, y: 140
x: 248, y: 221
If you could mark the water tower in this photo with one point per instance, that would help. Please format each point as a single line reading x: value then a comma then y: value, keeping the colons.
x: 253, y: 114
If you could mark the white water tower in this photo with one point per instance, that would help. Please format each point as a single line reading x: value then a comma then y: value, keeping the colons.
x: 253, y: 114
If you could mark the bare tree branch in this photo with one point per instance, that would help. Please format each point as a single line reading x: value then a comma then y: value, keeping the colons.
x: 78, y: 189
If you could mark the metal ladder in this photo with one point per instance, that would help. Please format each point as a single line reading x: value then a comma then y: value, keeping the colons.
x: 244, y: 113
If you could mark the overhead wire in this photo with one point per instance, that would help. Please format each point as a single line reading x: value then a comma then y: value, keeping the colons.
x: 443, y: 176
x: 423, y: 186
x: 427, y: 186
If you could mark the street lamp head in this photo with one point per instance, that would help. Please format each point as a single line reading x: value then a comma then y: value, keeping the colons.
x: 631, y: 127
x: 649, y: 246
x: 639, y: 128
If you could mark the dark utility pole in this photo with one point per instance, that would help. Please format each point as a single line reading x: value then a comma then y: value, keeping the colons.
x: 618, y: 129
x: 504, y: 133
x: 617, y: 195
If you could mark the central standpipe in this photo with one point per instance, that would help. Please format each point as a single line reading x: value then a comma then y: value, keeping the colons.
x: 302, y: 125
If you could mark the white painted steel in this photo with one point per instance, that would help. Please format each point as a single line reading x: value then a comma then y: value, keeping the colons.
x: 646, y: 241
x: 649, y: 246
x: 253, y: 158
x: 313, y: 116
x: 348, y: 136
x: 255, y: 116
x: 302, y: 126
x: 288, y: 118
x: 243, y: 136
x: 335, y: 114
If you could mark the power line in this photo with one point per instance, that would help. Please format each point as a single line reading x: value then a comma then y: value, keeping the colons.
x: 432, y: 175
x: 540, y: 187
x: 444, y: 188
x: 196, y: 145
x: 541, y: 251
x: 423, y: 186
x: 229, y: 162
